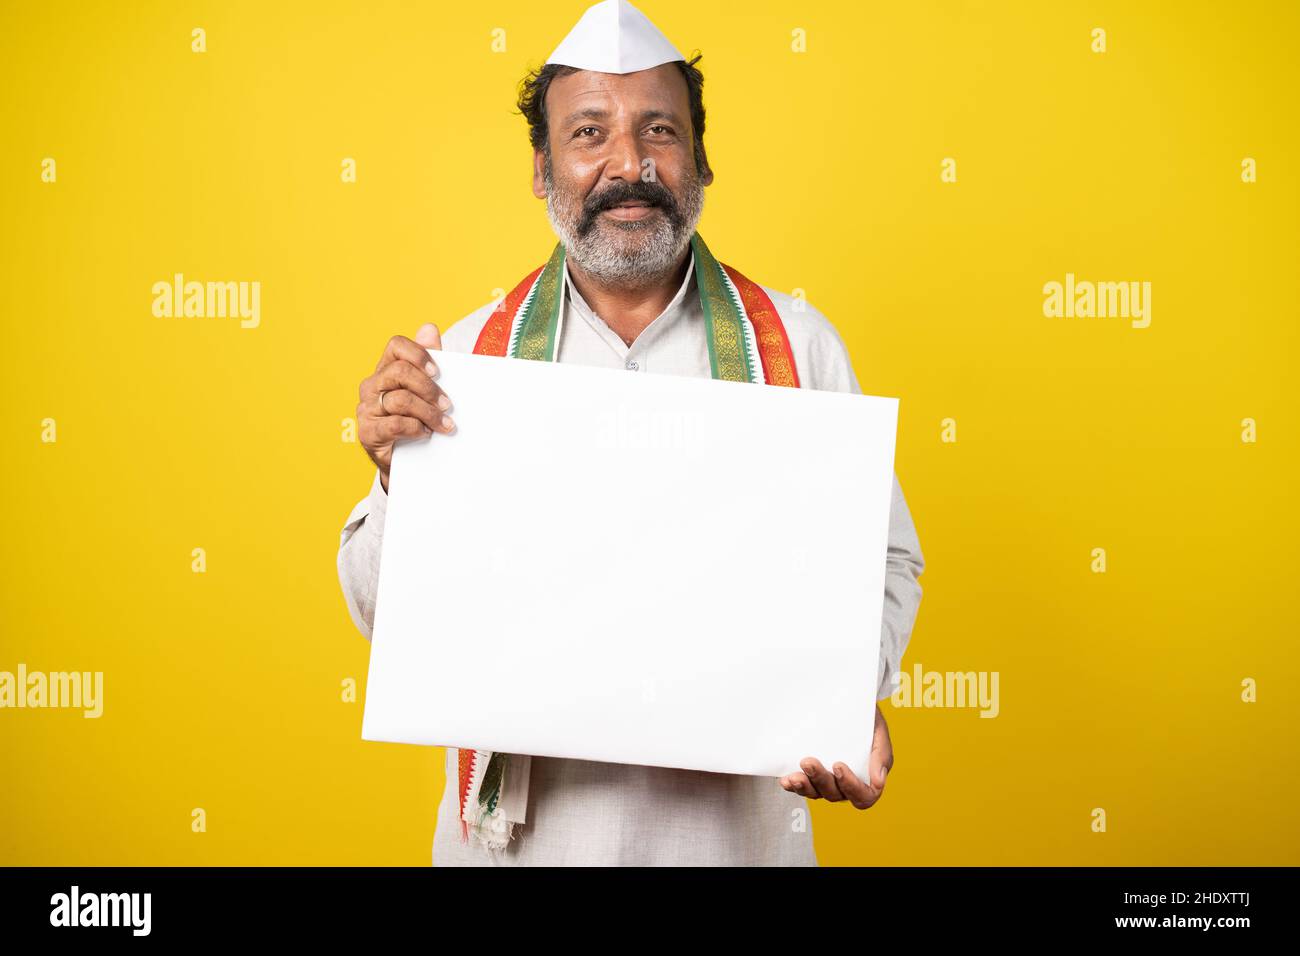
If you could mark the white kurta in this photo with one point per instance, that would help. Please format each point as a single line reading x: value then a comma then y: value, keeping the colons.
x: 583, y: 812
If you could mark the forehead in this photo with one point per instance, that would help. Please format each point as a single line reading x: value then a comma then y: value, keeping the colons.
x: 661, y: 88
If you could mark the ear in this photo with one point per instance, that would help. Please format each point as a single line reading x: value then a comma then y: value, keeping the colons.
x: 539, y: 181
x: 706, y: 174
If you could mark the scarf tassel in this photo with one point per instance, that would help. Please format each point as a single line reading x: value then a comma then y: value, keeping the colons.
x: 493, y: 794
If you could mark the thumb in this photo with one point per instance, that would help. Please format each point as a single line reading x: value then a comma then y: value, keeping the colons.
x: 882, y: 753
x: 428, y: 336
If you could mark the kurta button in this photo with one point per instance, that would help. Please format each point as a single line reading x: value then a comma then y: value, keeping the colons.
x: 633, y: 364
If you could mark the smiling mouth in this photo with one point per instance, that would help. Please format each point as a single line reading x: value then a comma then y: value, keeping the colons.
x: 635, y: 209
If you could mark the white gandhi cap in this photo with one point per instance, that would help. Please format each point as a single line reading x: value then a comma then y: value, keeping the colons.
x: 614, y: 37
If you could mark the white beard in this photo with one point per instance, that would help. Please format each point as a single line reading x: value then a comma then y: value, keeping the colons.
x: 638, y: 250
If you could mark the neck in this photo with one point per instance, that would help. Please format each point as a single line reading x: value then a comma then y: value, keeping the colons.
x: 628, y: 307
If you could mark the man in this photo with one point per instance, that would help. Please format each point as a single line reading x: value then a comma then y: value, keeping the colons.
x: 616, y: 122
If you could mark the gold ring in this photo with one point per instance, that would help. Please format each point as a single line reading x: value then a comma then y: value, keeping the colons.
x: 381, y: 403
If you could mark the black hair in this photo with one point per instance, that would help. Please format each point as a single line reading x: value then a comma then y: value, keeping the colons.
x: 532, y: 104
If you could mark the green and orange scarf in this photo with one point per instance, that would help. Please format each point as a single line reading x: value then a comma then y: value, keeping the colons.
x: 747, y: 343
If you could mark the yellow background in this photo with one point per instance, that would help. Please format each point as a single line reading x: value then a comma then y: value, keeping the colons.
x: 222, y: 690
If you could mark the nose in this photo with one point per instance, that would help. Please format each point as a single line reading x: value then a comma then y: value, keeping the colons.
x: 623, y: 159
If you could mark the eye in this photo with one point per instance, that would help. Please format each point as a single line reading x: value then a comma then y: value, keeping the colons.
x: 584, y: 130
x: 659, y: 128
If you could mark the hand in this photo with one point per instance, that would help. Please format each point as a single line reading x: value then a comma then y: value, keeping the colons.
x: 817, y: 782
x: 413, y: 405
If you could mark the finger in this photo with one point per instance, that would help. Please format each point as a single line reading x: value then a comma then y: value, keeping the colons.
x: 856, y: 790
x: 877, y: 770
x: 392, y: 427
x: 402, y: 375
x: 404, y: 403
x: 882, y: 753
x: 822, y: 779
x: 402, y: 349
x: 429, y: 337
x: 799, y: 783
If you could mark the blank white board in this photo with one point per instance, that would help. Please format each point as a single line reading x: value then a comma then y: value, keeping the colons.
x: 635, y: 568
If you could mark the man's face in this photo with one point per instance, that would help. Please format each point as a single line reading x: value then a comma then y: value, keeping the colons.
x: 621, y: 187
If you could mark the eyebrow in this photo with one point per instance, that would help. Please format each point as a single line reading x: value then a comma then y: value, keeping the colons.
x: 595, y: 113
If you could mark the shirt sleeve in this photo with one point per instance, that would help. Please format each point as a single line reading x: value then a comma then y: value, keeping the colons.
x: 360, y: 544
x: 830, y: 368
x: 903, y: 565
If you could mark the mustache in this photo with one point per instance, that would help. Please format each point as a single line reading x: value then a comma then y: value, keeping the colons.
x: 650, y: 193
